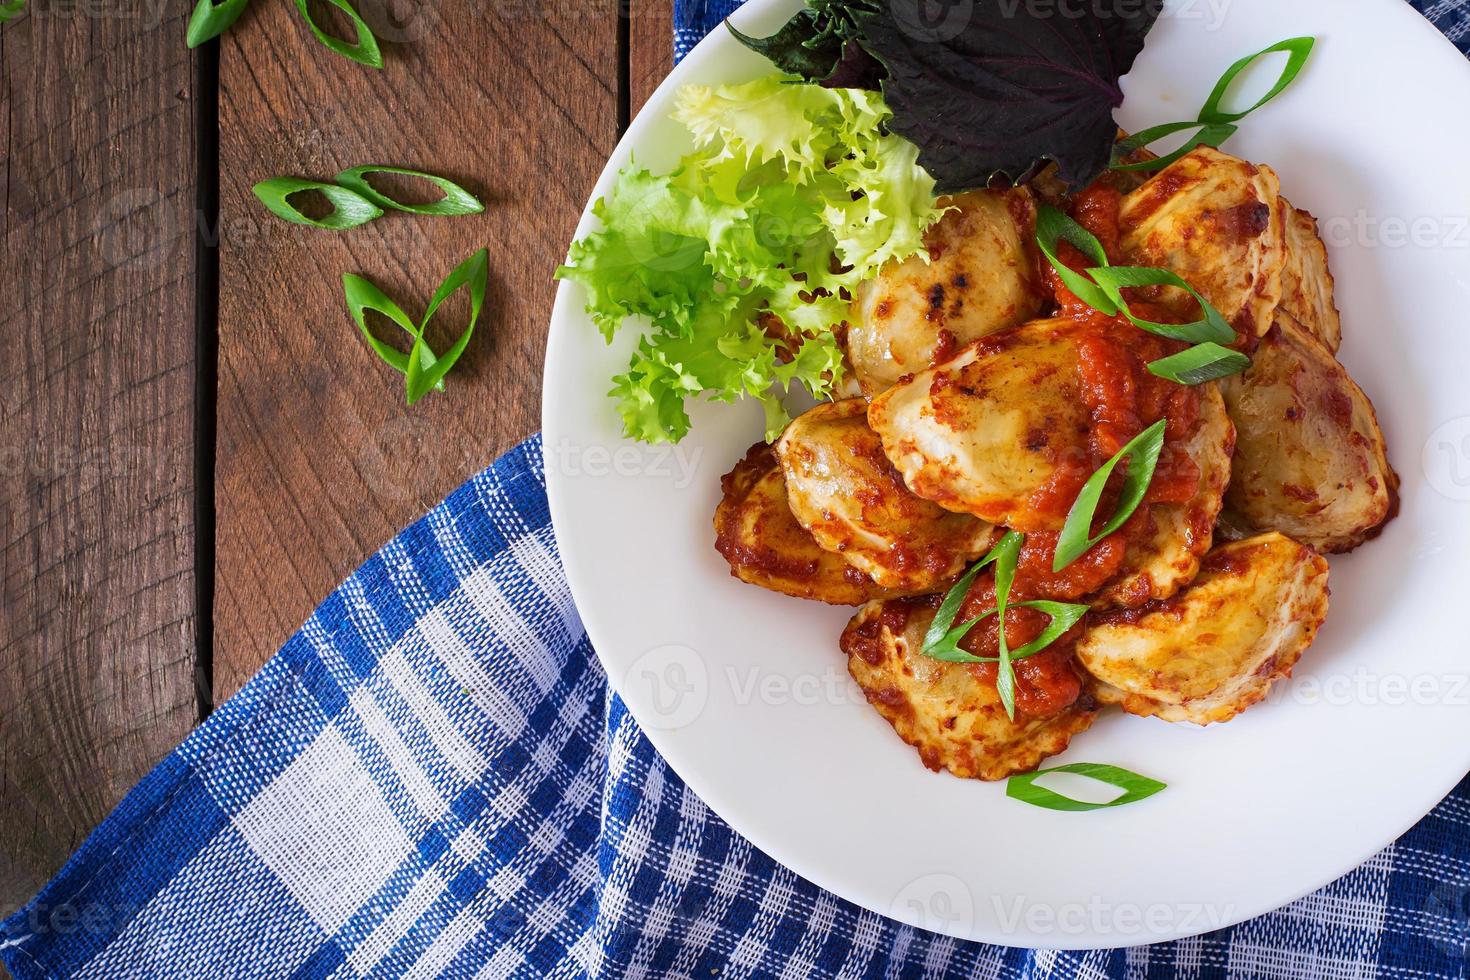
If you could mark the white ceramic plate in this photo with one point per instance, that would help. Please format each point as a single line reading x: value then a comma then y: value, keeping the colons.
x: 745, y: 693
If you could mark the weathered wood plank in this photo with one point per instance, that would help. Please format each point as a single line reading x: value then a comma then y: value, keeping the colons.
x: 650, y: 47
x: 319, y: 460
x: 97, y: 288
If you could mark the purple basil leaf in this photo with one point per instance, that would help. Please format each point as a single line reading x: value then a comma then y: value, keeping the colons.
x: 994, y: 87
x: 855, y: 69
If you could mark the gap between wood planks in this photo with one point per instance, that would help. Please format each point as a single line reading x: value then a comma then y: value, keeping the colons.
x: 206, y: 369
x: 207, y: 241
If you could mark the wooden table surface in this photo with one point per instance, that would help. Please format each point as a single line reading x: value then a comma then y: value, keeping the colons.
x: 195, y: 445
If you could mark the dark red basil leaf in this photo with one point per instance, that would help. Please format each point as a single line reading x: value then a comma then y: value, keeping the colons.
x: 995, y: 87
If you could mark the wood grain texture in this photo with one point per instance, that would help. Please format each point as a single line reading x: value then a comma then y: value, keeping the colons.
x: 319, y: 460
x: 650, y: 47
x: 97, y: 632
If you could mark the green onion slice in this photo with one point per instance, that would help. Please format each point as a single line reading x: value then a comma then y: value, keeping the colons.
x: 362, y: 295
x: 211, y: 19
x: 941, y: 641
x: 1144, y: 137
x: 1199, y: 364
x: 1215, y: 124
x: 11, y: 9
x: 1298, y: 49
x: 1143, y: 458
x: 456, y: 199
x: 1053, y: 227
x: 939, y: 629
x: 350, y: 208
x: 1214, y: 135
x: 1064, y: 615
x: 364, y: 52
x: 1134, y: 787
x: 1114, y: 279
x: 1005, y: 674
x: 473, y: 272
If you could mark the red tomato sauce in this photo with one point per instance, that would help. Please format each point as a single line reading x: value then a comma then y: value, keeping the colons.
x: 1123, y: 399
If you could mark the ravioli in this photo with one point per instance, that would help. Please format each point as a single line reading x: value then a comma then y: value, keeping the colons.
x: 982, y: 433
x: 946, y: 711
x: 765, y: 546
x: 1306, y: 281
x: 1216, y: 648
x: 1218, y: 222
x: 980, y: 277
x: 1310, y: 459
x: 1158, y: 564
x: 847, y: 494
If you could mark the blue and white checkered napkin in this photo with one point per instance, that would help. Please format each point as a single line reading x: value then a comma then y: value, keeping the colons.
x: 432, y: 779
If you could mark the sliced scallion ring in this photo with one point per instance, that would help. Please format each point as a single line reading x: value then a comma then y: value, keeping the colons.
x: 1053, y: 227
x: 349, y: 208
x: 1216, y: 125
x: 1212, y: 328
x: 474, y: 273
x: 1200, y: 364
x: 456, y: 199
x: 362, y: 296
x: 1142, y: 454
x: 1298, y: 50
x: 1064, y: 615
x: 364, y: 52
x: 1213, y: 135
x: 211, y: 19
x: 1134, y: 787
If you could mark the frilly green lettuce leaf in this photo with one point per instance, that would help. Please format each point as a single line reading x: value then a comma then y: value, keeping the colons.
x: 794, y: 195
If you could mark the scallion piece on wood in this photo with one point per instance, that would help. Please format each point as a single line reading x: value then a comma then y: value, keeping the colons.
x: 423, y: 370
x: 1134, y: 787
x: 456, y: 199
x: 211, y: 19
x: 1143, y: 458
x: 362, y: 296
x: 349, y: 208
x: 10, y: 9
x: 1199, y: 364
x: 474, y: 273
x: 1215, y: 124
x: 364, y: 52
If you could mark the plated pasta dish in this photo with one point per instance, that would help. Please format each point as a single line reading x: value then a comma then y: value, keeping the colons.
x: 1079, y: 439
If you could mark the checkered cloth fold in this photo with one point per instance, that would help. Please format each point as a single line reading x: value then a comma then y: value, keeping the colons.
x: 432, y: 779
